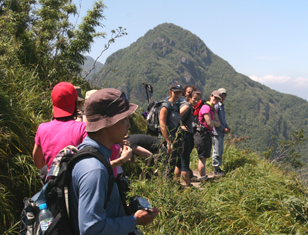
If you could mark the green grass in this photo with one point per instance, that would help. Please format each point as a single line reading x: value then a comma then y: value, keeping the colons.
x: 254, y: 197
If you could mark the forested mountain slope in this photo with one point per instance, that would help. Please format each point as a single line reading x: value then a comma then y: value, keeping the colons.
x: 169, y: 53
x: 88, y: 65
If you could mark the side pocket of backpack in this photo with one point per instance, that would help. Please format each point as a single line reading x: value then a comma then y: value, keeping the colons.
x: 60, y: 225
x: 29, y: 220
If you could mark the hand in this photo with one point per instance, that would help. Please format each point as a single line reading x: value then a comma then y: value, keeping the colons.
x: 124, y: 142
x: 169, y: 148
x: 144, y: 217
x: 126, y: 153
x: 226, y: 130
x: 184, y: 128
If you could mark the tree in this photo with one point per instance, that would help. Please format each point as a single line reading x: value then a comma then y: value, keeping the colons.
x: 285, y: 151
x: 39, y: 47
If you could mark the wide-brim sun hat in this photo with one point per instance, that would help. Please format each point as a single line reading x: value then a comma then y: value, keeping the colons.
x: 106, y: 107
x: 63, y: 96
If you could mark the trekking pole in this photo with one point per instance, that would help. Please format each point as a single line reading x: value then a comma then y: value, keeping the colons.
x: 148, y: 89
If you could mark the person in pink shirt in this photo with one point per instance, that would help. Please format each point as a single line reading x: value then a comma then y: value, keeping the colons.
x: 208, y: 118
x: 63, y: 130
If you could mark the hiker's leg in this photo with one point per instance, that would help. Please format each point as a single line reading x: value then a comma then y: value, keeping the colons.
x: 218, y: 146
x: 215, y: 155
x: 177, y: 172
x: 201, y: 166
x: 200, y: 142
x: 221, y: 148
x: 185, y: 157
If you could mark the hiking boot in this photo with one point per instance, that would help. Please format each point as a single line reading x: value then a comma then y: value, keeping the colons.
x: 219, y: 172
x: 194, y: 179
x: 203, y: 178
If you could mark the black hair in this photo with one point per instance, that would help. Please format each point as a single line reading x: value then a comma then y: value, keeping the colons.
x: 187, y: 86
x: 71, y: 117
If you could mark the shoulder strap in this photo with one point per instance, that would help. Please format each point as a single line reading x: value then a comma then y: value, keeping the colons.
x: 186, y: 116
x: 168, y: 107
x: 93, y: 152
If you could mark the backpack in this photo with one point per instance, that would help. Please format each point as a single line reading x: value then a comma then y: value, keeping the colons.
x: 153, y: 116
x: 196, y: 124
x: 55, y: 194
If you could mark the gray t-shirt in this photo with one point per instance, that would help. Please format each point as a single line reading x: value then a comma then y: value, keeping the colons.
x: 174, y: 117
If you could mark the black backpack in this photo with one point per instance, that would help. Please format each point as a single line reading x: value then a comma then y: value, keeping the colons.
x: 55, y: 194
x: 153, y: 116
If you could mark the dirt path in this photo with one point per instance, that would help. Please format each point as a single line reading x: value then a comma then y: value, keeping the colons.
x: 198, y: 184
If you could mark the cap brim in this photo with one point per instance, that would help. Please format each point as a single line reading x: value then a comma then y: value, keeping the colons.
x: 109, y: 121
x: 58, y: 112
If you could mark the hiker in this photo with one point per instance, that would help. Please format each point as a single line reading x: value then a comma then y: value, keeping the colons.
x: 144, y: 146
x: 115, y: 160
x: 107, y: 112
x: 187, y: 91
x: 80, y: 101
x: 219, y: 133
x: 208, y: 118
x: 88, y: 94
x: 187, y: 127
x: 169, y: 118
x: 63, y: 130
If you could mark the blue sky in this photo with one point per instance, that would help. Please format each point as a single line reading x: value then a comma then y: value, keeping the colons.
x: 265, y: 40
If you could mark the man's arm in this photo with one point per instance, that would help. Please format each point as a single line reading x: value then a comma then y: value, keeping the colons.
x: 221, y: 127
x: 92, y: 186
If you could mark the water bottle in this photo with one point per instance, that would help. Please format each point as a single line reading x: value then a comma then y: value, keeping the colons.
x: 45, y: 217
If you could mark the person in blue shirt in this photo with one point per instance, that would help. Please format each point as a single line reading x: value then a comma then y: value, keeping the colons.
x: 107, y: 112
x: 219, y: 133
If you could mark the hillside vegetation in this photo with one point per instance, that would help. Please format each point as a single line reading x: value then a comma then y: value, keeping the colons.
x: 169, y: 53
x: 255, y: 197
x: 88, y: 65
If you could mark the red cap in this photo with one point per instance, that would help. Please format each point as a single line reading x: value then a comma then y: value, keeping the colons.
x: 63, y: 96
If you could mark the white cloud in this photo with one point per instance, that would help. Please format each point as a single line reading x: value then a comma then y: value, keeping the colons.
x: 292, y: 85
x: 271, y: 79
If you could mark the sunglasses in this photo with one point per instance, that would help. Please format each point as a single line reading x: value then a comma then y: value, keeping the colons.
x: 123, y: 96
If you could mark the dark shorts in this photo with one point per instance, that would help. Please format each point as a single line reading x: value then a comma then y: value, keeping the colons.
x: 203, y: 144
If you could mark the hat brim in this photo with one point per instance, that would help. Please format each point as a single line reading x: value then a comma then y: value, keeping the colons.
x: 176, y: 90
x: 110, y: 121
x: 59, y: 112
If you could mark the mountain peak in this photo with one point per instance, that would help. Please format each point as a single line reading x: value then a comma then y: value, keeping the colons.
x: 169, y: 53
